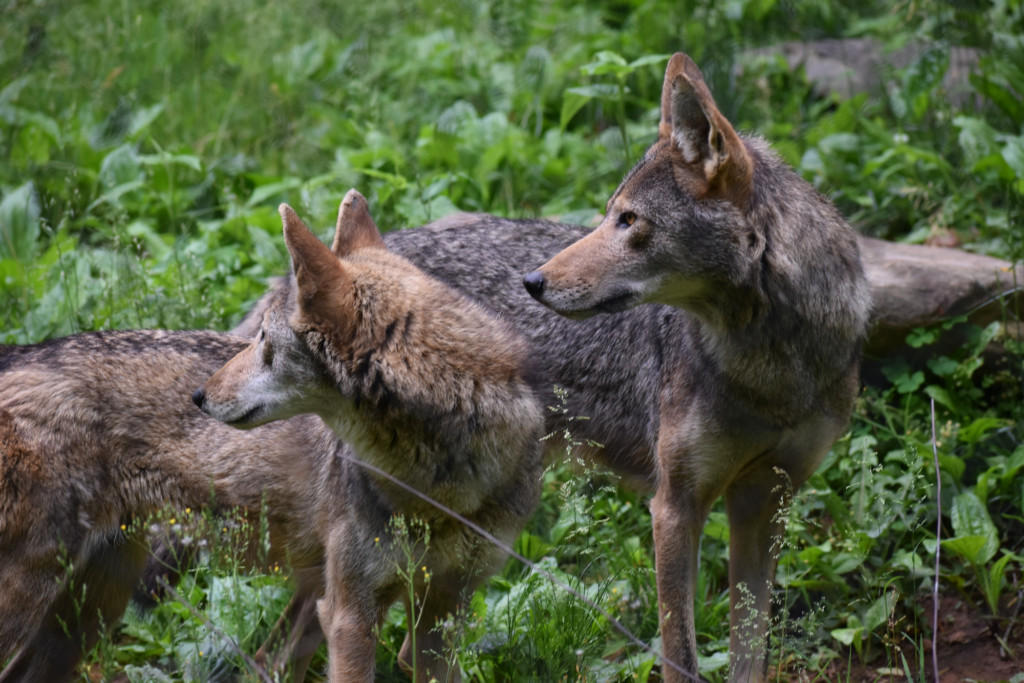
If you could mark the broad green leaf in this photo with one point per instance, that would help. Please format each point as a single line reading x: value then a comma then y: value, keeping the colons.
x: 1013, y: 465
x: 712, y: 663
x: 975, y: 431
x: 142, y: 118
x: 1013, y: 154
x: 598, y: 90
x: 999, y: 94
x: 987, y: 335
x: 878, y: 613
x: 114, y: 194
x: 970, y: 518
x: 942, y: 366
x: 970, y: 548
x: 265, y: 192
x: 607, y: 62
x: 840, y: 142
x: 941, y: 396
x: 150, y: 238
x: 531, y: 547
x: 165, y: 158
x: 19, y: 224
x: 922, y: 336
x: 11, y: 91
x: 977, y: 138
x: 847, y: 636
x: 913, y: 563
x: 396, y: 181
x: 953, y: 465
x: 572, y: 102
x: 649, y: 59
x: 907, y: 384
x: 120, y: 166
x: 717, y: 527
x: 846, y: 562
x: 995, y: 582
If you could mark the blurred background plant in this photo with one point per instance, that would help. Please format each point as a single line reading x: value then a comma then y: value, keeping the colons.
x: 144, y: 146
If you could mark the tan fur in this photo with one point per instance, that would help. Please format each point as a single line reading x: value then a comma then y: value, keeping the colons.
x: 424, y: 385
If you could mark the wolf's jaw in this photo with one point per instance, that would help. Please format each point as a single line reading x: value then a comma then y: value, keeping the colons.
x: 247, y: 420
x: 614, y: 304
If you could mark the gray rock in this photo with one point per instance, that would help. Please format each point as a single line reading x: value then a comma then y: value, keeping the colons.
x: 847, y: 66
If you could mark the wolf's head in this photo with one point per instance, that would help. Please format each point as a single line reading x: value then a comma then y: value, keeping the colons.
x: 278, y: 375
x: 675, y: 229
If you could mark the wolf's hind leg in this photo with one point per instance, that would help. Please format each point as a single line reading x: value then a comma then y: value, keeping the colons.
x: 29, y: 584
x: 756, y: 506
x: 678, y: 515
x: 101, y: 586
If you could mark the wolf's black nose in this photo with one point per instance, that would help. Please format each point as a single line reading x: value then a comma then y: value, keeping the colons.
x: 534, y: 283
x: 198, y: 397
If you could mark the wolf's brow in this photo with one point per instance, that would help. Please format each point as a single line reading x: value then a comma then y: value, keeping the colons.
x: 487, y: 536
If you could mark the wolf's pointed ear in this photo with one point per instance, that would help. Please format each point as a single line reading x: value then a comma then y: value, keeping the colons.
x: 322, y: 281
x: 356, y: 229
x: 705, y: 139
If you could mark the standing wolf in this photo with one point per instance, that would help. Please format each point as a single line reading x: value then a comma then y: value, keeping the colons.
x: 763, y: 364
x: 424, y: 385
x: 734, y: 380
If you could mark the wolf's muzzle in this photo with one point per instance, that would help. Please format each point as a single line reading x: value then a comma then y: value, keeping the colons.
x: 198, y: 396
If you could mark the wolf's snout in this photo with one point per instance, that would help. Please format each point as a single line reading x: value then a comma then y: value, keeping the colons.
x: 534, y: 283
x: 198, y: 396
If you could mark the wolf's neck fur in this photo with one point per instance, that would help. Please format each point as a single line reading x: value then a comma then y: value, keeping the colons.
x: 432, y: 391
x: 793, y: 329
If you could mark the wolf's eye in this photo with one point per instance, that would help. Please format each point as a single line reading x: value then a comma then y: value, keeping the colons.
x: 263, y: 334
x: 626, y: 219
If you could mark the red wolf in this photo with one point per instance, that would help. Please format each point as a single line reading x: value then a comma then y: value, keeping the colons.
x: 422, y: 384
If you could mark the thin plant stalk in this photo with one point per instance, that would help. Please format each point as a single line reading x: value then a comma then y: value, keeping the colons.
x: 938, y: 538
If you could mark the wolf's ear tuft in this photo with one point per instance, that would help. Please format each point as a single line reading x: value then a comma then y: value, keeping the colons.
x: 356, y: 229
x: 705, y: 139
x: 321, y: 279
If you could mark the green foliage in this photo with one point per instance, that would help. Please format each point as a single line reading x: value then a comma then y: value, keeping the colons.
x: 145, y: 145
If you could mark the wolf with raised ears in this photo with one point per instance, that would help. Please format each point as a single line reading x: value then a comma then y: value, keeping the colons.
x: 422, y: 384
x: 763, y: 362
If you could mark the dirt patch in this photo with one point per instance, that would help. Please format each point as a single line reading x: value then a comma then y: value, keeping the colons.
x: 967, y: 651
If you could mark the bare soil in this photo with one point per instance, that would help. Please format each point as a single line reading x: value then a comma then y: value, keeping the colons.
x: 967, y: 651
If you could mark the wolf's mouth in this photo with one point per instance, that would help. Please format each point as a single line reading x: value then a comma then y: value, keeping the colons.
x: 248, y: 417
x: 617, y: 304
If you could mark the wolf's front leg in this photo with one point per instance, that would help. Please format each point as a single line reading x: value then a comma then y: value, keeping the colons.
x: 351, y: 647
x: 678, y: 521
x: 350, y: 610
x: 756, y: 505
